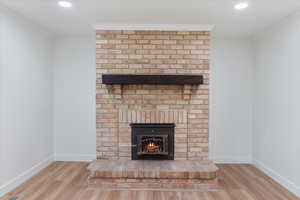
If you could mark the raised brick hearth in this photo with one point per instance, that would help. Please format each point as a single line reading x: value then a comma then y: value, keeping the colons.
x: 152, y: 52
x: 153, y: 175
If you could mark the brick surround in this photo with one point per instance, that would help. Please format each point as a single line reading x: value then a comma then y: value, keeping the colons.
x: 152, y: 52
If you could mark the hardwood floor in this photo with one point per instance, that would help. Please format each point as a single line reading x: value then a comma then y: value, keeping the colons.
x: 67, y: 181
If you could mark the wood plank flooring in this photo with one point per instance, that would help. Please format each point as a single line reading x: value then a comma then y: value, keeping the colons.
x: 67, y: 181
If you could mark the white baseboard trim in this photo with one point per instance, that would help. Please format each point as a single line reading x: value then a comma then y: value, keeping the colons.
x: 232, y: 160
x: 15, y: 182
x: 289, y: 185
x: 75, y: 157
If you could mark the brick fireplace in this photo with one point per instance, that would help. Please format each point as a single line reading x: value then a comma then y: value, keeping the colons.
x: 119, y: 106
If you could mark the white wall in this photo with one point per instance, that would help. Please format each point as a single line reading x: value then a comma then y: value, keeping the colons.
x: 74, y: 99
x: 1, y: 95
x: 277, y: 102
x: 231, y: 101
x: 26, y: 109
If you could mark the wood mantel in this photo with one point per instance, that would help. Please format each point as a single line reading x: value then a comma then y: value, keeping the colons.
x: 160, y: 79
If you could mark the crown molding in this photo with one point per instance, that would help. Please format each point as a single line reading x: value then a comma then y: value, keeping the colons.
x: 154, y: 27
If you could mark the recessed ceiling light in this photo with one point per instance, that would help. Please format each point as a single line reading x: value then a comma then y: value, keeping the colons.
x: 241, y: 5
x: 65, y: 4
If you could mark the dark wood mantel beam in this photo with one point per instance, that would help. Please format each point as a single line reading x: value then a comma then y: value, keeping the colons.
x: 163, y: 79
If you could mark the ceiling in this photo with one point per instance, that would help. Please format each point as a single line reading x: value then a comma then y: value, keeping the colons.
x: 85, y: 13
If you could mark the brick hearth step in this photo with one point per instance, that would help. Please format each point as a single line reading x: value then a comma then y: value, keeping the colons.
x: 153, y: 175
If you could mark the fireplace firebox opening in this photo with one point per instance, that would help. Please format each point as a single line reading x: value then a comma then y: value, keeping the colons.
x: 152, y: 141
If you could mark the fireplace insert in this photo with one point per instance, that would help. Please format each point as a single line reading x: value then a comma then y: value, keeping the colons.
x: 152, y: 141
